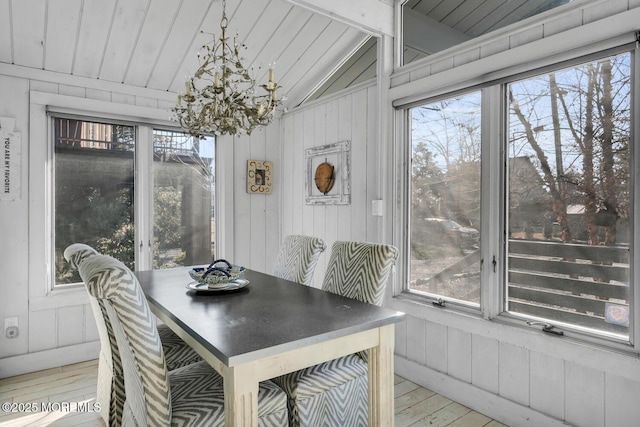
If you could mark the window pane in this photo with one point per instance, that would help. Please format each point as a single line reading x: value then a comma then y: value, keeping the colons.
x: 445, y: 199
x: 183, y: 199
x: 93, y: 190
x: 569, y: 191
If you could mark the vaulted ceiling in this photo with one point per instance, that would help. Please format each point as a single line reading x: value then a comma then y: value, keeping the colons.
x: 153, y: 43
x: 434, y: 25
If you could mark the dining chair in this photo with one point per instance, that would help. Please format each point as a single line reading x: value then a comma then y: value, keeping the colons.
x: 192, y: 395
x: 335, y: 393
x: 110, y: 392
x: 298, y: 257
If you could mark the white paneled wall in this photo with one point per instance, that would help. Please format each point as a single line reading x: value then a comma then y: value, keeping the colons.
x: 56, y: 328
x: 14, y: 103
x: 251, y: 221
x: 352, y: 117
x: 518, y: 376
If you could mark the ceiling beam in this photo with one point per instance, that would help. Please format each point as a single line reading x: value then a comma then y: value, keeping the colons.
x: 372, y: 16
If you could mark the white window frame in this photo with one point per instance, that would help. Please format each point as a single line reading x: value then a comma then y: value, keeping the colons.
x: 407, y: 153
x: 44, y: 294
x: 493, y: 200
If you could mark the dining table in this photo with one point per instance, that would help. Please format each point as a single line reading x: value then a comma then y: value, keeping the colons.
x: 271, y: 327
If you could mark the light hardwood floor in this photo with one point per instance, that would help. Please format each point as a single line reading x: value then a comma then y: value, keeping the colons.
x: 46, y: 391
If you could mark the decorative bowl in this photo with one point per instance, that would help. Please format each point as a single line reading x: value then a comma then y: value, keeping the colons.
x: 218, y: 272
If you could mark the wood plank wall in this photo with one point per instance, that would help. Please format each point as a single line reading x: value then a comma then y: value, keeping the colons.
x: 352, y: 117
x: 49, y: 333
x: 58, y: 329
x: 249, y: 228
x: 14, y: 225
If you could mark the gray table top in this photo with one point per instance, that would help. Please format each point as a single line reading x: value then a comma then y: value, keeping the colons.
x: 268, y: 317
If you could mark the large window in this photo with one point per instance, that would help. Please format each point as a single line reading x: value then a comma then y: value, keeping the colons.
x: 559, y: 224
x: 101, y: 190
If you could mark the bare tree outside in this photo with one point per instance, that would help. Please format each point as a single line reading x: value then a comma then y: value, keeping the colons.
x: 569, y: 134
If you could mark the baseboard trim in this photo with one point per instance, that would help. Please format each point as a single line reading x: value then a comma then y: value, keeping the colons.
x: 500, y: 409
x: 32, y: 362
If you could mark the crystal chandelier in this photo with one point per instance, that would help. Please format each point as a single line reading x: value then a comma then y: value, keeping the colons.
x: 221, y: 96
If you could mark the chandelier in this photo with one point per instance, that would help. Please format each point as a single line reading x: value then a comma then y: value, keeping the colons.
x: 221, y: 97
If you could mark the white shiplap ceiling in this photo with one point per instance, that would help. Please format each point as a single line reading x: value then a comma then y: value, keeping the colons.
x: 434, y: 25
x: 153, y: 43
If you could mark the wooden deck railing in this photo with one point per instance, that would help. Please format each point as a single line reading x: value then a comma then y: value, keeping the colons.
x: 573, y: 283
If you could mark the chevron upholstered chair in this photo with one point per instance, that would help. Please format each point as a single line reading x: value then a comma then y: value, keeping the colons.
x: 192, y: 395
x: 110, y: 392
x: 298, y: 257
x: 334, y: 393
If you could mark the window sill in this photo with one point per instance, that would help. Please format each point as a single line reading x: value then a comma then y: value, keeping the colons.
x: 420, y: 306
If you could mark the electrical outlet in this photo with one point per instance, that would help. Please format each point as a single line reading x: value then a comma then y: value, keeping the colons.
x: 11, y: 327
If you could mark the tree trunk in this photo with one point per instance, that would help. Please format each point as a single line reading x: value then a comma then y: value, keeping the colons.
x: 588, y: 187
x: 561, y: 211
x: 608, y: 173
x: 559, y: 205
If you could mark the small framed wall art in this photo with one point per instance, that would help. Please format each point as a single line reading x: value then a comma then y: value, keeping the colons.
x: 259, y: 179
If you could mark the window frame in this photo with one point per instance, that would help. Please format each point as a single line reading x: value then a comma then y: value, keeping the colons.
x: 44, y: 293
x: 153, y: 167
x: 51, y: 200
x: 494, y: 200
x: 143, y: 200
x: 459, y: 304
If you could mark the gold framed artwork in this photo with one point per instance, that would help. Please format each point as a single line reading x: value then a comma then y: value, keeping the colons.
x: 259, y: 180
